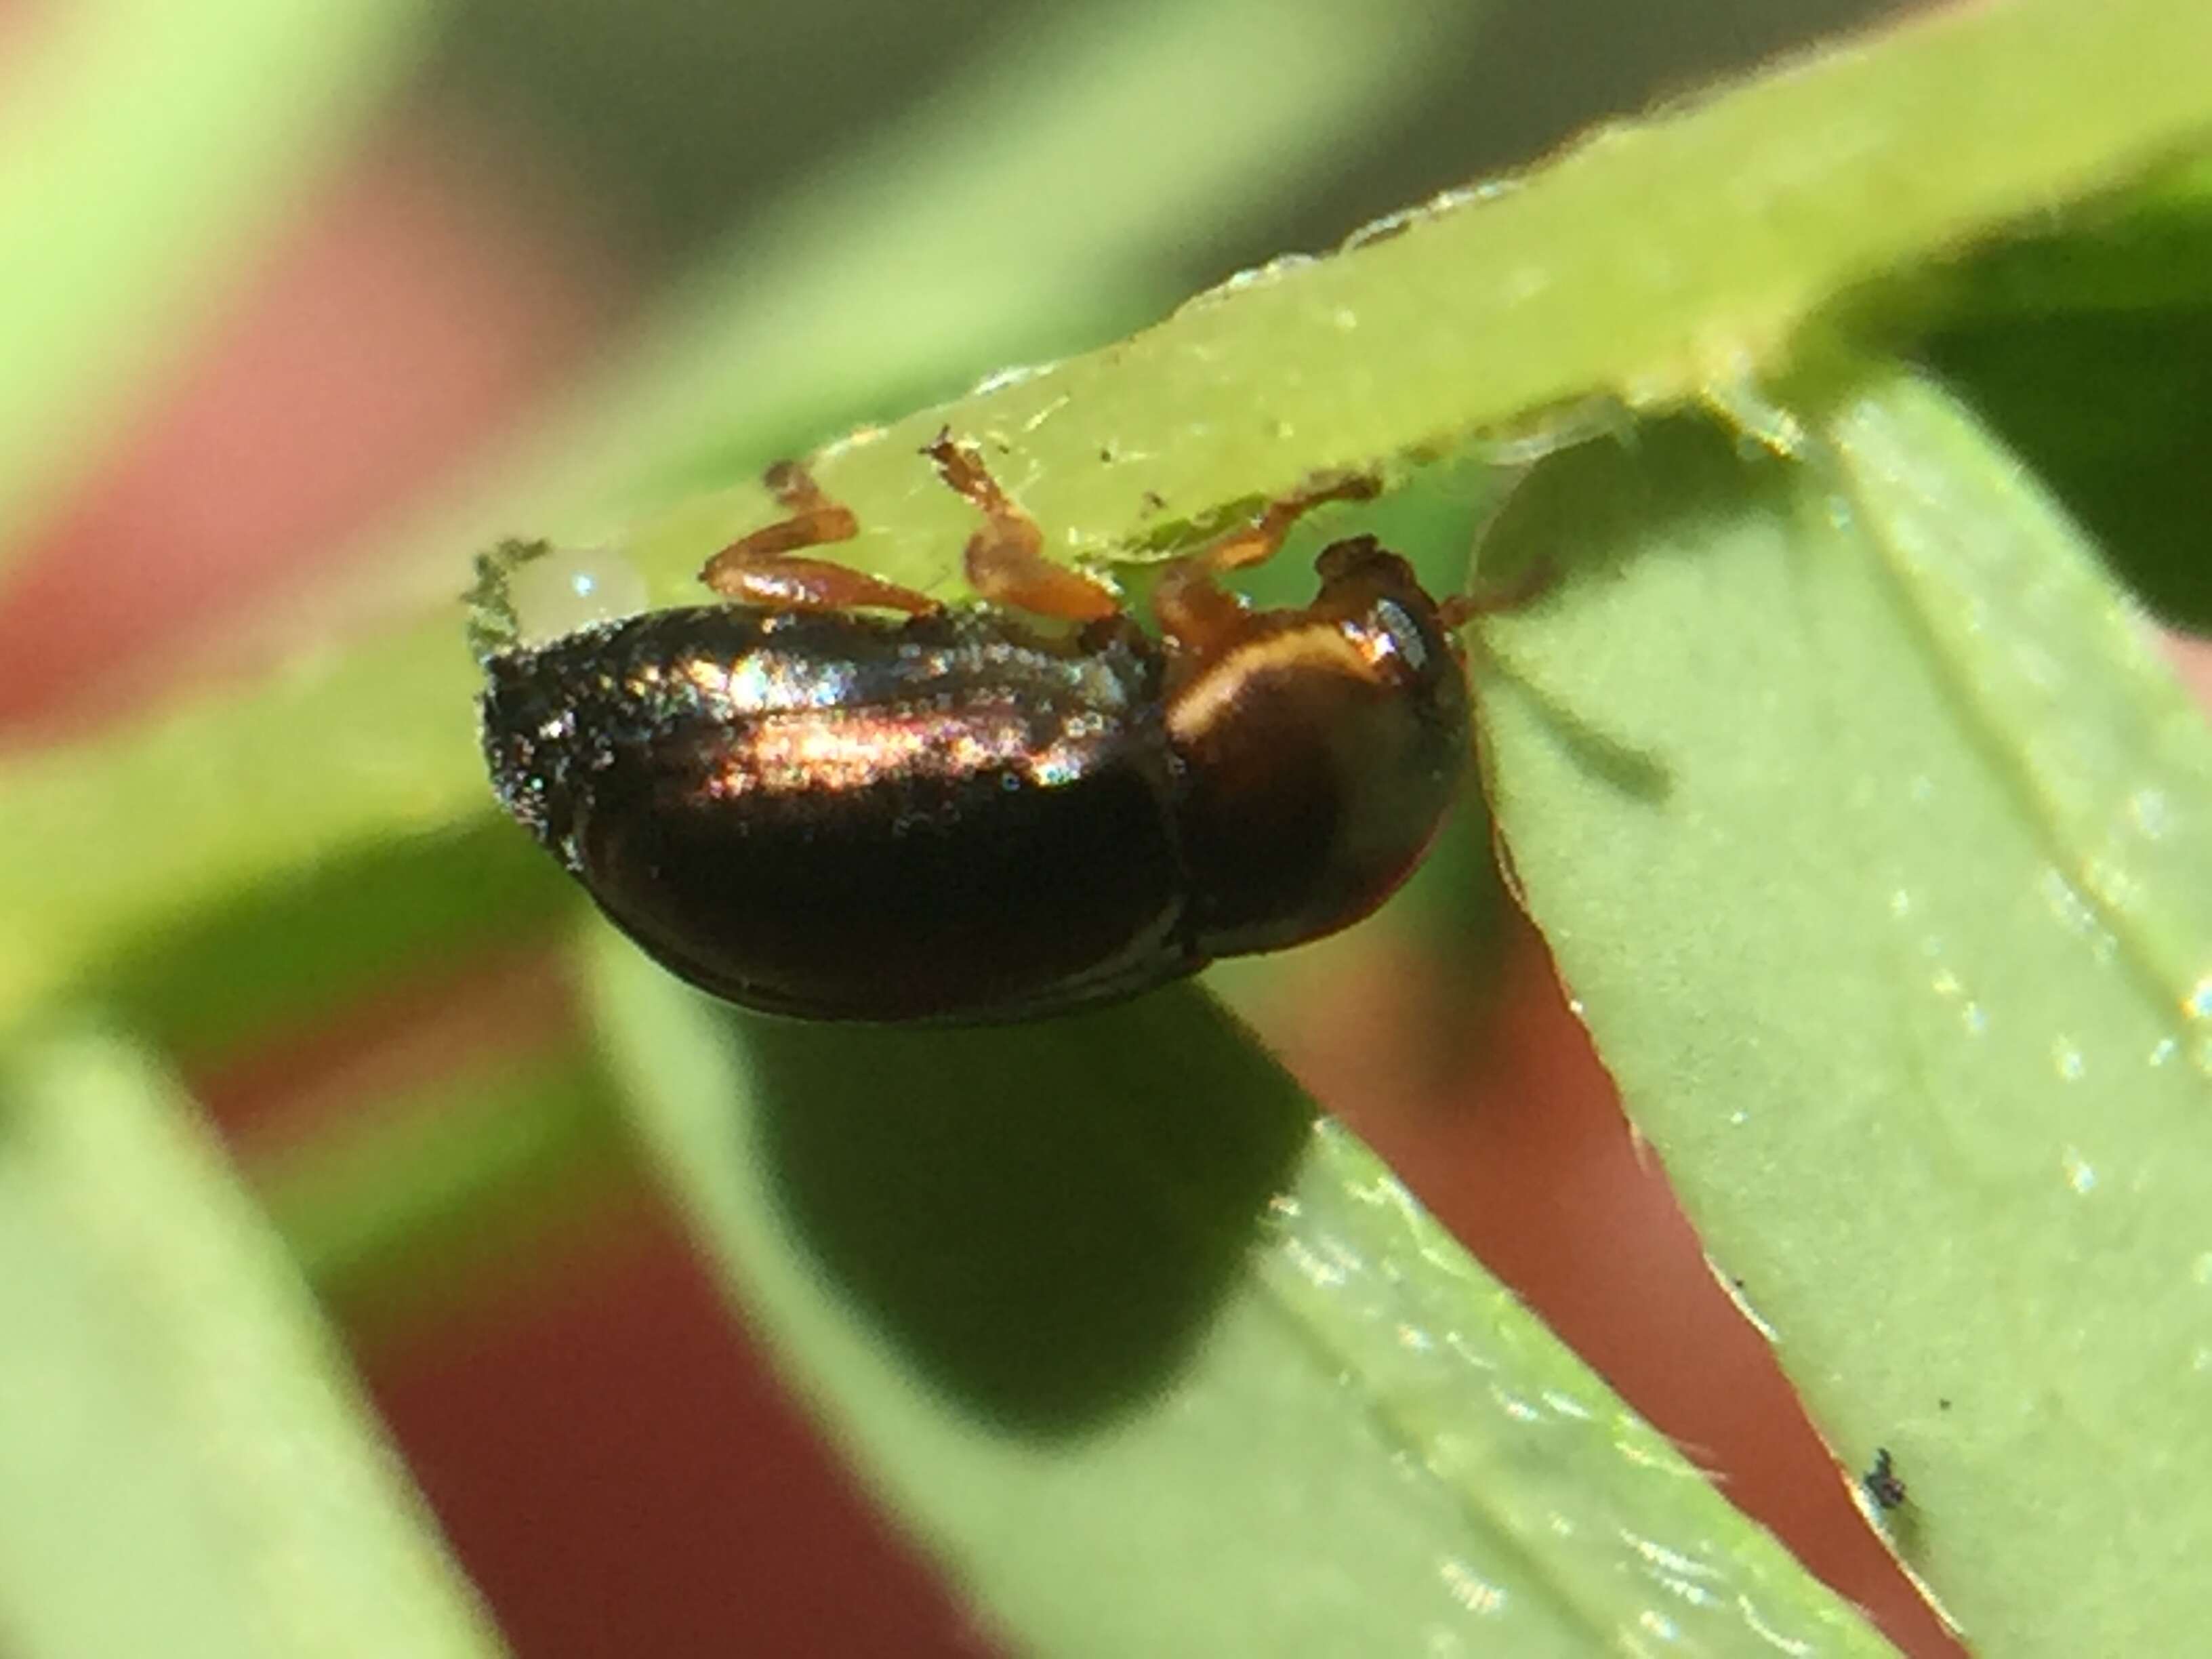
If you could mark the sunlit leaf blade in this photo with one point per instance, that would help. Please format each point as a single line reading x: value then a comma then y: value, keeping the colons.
x: 144, y: 147
x: 1156, y: 1364
x: 189, y: 1470
x: 1873, y: 843
x: 2110, y: 756
x: 1638, y: 266
x: 342, y: 756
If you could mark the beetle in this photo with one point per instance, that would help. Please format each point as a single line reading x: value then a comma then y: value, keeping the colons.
x: 833, y: 798
x: 1881, y: 1483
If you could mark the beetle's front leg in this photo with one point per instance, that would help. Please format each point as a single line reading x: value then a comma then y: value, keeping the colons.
x: 760, y: 569
x: 1198, y: 616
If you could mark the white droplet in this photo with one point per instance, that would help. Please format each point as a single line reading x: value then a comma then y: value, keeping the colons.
x: 570, y: 588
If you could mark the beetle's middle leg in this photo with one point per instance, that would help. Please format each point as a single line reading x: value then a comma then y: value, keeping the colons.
x: 1005, y: 560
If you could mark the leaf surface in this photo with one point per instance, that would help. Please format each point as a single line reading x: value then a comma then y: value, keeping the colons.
x: 189, y: 1467
x: 1154, y: 1361
x: 1876, y: 863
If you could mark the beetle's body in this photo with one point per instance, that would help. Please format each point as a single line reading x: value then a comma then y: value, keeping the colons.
x: 959, y: 816
x: 973, y: 815
x: 847, y: 816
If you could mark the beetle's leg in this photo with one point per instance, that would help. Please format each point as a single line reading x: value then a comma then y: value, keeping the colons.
x: 1005, y: 560
x: 1460, y: 609
x: 1262, y: 538
x: 775, y: 582
x: 759, y: 568
x: 1195, y: 611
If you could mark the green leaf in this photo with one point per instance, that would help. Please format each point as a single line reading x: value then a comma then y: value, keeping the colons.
x: 2088, y: 349
x: 389, y: 1210
x: 1156, y: 1361
x: 1871, y: 837
x: 344, y: 756
x: 2149, y: 252
x: 145, y: 148
x: 188, y: 1465
x: 1780, y: 198
x: 1646, y: 265
x: 2109, y: 410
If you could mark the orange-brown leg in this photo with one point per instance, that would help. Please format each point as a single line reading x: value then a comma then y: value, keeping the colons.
x: 1262, y: 538
x: 1460, y: 608
x: 759, y: 568
x: 1005, y: 560
x: 1195, y: 612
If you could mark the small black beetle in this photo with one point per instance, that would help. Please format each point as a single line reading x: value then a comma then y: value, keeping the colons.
x: 1881, y: 1483
x: 803, y: 806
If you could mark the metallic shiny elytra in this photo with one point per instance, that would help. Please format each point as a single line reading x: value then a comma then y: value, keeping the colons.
x: 974, y: 815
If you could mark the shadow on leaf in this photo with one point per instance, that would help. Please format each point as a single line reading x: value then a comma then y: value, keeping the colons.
x: 1662, y: 491
x: 1041, y: 1217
